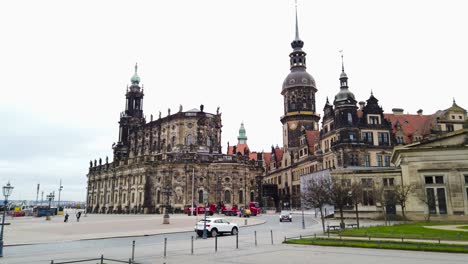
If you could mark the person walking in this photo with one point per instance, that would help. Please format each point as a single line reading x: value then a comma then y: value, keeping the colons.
x: 66, y: 218
x: 78, y: 215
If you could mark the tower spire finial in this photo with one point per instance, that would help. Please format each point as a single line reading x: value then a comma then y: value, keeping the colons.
x: 342, y: 61
x: 297, y: 24
x: 135, y: 78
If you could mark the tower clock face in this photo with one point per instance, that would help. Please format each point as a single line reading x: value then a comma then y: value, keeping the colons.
x: 292, y: 125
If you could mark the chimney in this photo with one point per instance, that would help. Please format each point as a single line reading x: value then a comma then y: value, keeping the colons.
x: 420, y: 112
x: 361, y: 105
x: 397, y: 111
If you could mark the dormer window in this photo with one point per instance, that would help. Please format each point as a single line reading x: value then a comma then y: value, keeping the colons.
x: 373, y: 120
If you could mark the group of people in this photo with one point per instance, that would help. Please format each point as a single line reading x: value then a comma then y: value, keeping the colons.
x: 78, y: 215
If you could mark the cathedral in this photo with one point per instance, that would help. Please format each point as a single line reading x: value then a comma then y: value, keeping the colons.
x: 172, y: 160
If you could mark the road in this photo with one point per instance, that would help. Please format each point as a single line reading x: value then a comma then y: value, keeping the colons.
x: 150, y: 249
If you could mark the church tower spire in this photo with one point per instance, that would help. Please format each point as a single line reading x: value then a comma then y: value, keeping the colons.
x: 242, y: 138
x: 299, y: 95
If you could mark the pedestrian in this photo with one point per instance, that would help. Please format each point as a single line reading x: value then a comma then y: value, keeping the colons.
x: 66, y: 218
x: 78, y: 215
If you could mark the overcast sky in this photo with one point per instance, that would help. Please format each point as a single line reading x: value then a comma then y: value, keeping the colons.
x: 65, y: 66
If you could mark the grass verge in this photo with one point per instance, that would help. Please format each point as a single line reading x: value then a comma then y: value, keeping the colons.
x: 415, y: 246
x: 414, y: 230
x: 463, y: 227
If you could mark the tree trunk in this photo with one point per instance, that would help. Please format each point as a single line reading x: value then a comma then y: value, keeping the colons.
x: 403, y: 211
x: 342, y: 224
x: 323, y: 219
x: 357, y: 215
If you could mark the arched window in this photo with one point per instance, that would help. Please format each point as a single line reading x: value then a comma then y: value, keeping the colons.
x: 158, y: 197
x: 227, y: 196
x: 200, y: 196
x: 252, y: 196
x: 173, y: 140
x: 350, y: 118
x: 189, y: 139
x: 241, y: 196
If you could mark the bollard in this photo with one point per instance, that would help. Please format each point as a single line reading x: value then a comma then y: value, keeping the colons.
x: 271, y: 231
x: 216, y: 243
x: 340, y: 237
x: 284, y: 238
x: 369, y: 238
x: 129, y: 261
x: 245, y: 221
x: 133, y: 250
x: 102, y: 259
x: 237, y: 241
x: 401, y: 238
x: 315, y: 235
x: 165, y: 246
x: 255, y: 233
x: 300, y: 236
x: 328, y: 234
x: 439, y: 240
x: 191, y: 250
x: 51, y: 262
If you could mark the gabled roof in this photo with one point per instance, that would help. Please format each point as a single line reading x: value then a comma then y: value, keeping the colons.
x: 411, y: 124
x: 239, y: 148
x: 267, y: 158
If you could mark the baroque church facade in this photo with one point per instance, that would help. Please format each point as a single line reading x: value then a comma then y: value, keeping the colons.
x: 171, y: 160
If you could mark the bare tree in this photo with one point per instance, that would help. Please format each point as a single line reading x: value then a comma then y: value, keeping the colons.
x: 385, y: 195
x: 316, y: 194
x: 355, y: 196
x: 402, y: 193
x: 340, y: 195
x: 428, y: 198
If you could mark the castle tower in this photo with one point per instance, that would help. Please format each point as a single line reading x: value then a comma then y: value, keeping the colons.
x: 299, y: 97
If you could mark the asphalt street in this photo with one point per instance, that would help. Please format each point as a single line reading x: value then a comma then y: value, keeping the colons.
x: 150, y: 249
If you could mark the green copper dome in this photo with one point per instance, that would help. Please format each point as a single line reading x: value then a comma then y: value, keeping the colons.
x: 242, y: 138
x: 135, y: 78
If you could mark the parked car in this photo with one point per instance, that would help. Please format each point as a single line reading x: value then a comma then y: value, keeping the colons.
x: 216, y: 226
x: 285, y: 216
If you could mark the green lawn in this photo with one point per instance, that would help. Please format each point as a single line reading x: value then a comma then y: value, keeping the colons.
x: 412, y: 230
x: 463, y: 227
x: 381, y: 244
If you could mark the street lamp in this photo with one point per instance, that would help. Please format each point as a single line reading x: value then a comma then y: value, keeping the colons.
x: 49, y: 197
x: 60, y: 190
x: 7, y: 190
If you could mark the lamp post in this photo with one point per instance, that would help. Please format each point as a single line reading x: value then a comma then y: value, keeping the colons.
x: 49, y: 197
x: 205, y: 199
x: 7, y: 190
x: 60, y: 190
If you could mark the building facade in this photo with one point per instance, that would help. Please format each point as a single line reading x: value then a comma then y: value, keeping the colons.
x: 174, y: 159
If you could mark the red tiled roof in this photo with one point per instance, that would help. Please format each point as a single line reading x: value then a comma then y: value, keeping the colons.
x: 411, y: 124
x: 239, y: 148
x: 278, y: 156
x: 267, y: 158
x: 312, y: 137
x: 253, y: 156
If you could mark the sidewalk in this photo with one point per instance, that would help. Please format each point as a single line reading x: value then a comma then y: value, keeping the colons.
x: 96, y: 226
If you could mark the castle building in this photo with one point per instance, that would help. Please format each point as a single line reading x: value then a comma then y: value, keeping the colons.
x: 361, y: 143
x: 174, y: 159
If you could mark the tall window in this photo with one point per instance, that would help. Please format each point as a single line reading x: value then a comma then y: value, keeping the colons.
x: 241, y: 196
x: 379, y: 160
x: 387, y: 161
x: 367, y: 137
x: 383, y: 139
x: 449, y: 128
x: 158, y: 197
x: 353, y: 160
x: 367, y: 192
x: 227, y: 196
x: 435, y: 194
x: 367, y: 160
